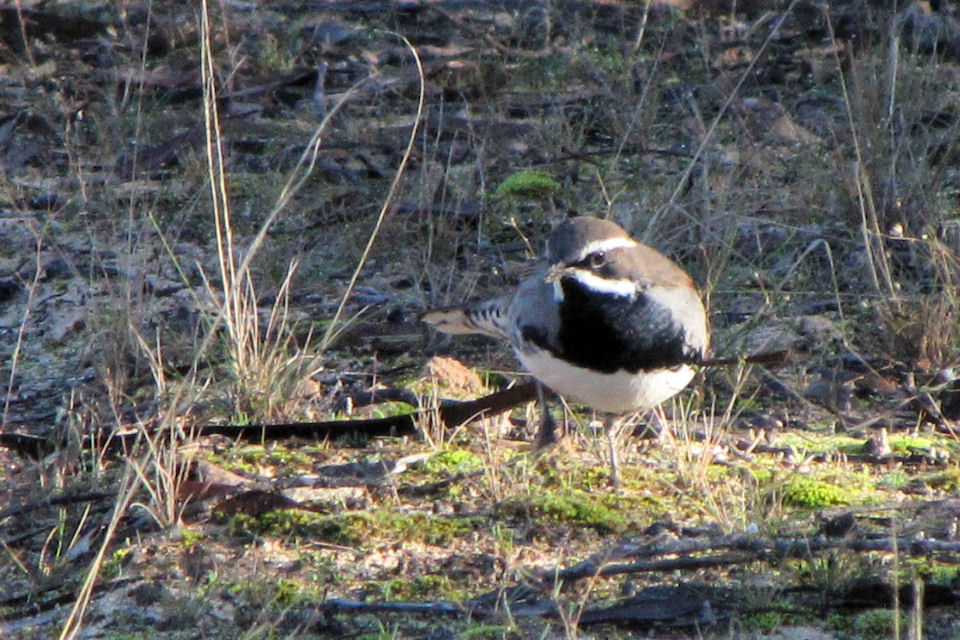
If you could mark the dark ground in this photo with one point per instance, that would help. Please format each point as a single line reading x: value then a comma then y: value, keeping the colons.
x: 798, y: 159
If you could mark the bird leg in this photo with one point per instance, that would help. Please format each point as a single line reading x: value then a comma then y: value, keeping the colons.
x: 547, y: 434
x: 610, y: 428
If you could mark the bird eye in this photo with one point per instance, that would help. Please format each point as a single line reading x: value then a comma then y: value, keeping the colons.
x: 597, y: 259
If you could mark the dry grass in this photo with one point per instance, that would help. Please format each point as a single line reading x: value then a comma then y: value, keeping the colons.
x: 653, y: 130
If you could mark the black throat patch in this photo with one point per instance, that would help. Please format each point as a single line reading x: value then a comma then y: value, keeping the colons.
x: 609, y: 333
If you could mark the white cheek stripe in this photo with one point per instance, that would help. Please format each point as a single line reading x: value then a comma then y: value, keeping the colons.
x: 605, y: 245
x: 557, y: 291
x: 620, y: 287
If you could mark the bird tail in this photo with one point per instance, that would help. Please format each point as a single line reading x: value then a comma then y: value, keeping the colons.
x: 488, y: 317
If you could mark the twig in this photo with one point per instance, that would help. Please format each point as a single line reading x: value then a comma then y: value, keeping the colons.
x: 54, y: 502
x: 781, y: 356
x: 452, y: 414
x: 356, y: 606
x: 751, y: 549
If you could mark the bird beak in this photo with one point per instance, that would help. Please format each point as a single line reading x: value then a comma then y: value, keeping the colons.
x: 555, y: 273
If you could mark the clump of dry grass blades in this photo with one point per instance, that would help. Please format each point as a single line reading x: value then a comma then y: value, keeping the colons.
x: 897, y: 181
x: 266, y: 364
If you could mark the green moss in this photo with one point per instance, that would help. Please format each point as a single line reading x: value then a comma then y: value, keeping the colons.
x: 875, y: 624
x: 113, y: 565
x: 389, y: 409
x: 759, y: 475
x: 528, y: 185
x: 593, y: 477
x: 573, y: 507
x: 940, y: 573
x: 283, y: 456
x: 429, y: 586
x: 894, y: 480
x: 415, y: 527
x: 353, y: 529
x: 822, y: 443
x: 946, y: 480
x: 454, y: 461
x: 906, y: 445
x: 764, y: 622
x: 804, y: 491
x: 288, y: 591
x: 190, y: 537
x: 295, y: 523
x: 609, y: 59
x: 252, y: 458
x: 275, y: 55
x: 281, y: 593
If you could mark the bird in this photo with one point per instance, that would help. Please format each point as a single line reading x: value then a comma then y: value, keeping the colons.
x: 604, y: 321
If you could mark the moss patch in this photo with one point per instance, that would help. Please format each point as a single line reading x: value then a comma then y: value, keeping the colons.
x: 600, y: 512
x: 357, y: 528
x: 454, y: 461
x: 803, y: 491
x: 528, y: 185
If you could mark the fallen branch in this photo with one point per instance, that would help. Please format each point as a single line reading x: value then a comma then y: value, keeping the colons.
x: 452, y: 414
x: 751, y: 549
x: 32, y: 603
x: 55, y: 502
x: 33, y: 447
x: 781, y: 356
x: 356, y: 606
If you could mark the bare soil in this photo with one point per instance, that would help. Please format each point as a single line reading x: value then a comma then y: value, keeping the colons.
x: 799, y: 159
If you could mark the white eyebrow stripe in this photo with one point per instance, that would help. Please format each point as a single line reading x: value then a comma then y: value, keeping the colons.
x: 605, y: 245
x: 618, y: 287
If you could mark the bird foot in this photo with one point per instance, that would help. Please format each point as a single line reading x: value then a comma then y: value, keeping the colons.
x: 547, y: 434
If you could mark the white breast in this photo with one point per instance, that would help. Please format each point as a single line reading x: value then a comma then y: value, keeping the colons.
x: 617, y: 392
